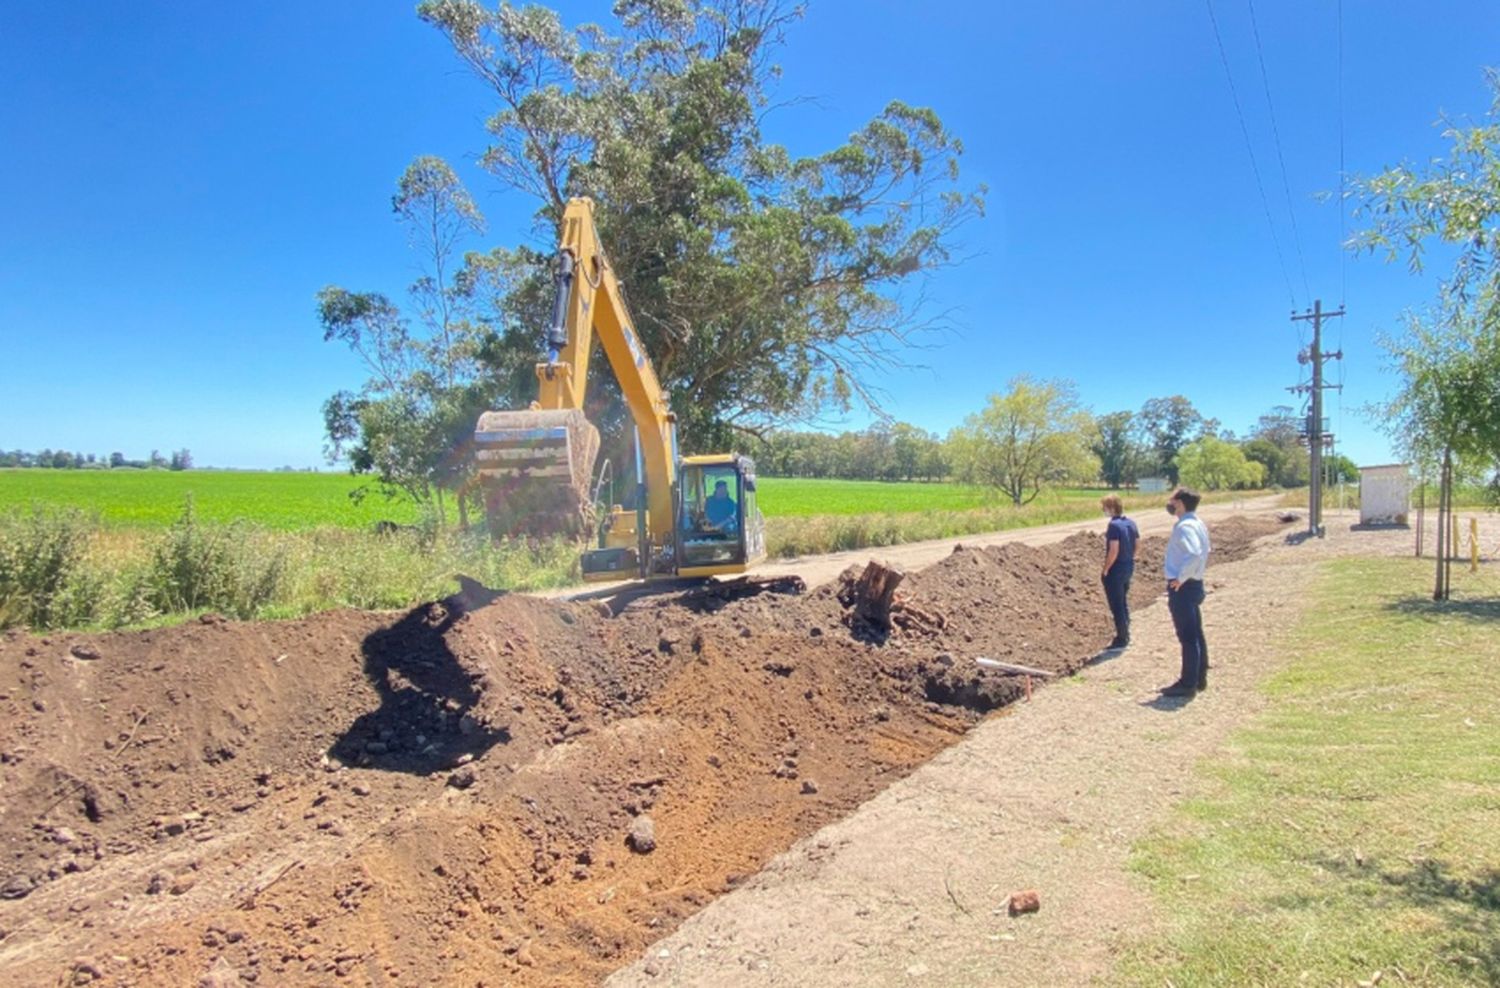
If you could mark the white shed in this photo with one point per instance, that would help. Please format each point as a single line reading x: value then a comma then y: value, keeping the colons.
x: 1384, y: 494
x: 1152, y: 485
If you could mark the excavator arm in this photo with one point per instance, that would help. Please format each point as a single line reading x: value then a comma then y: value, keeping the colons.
x: 536, y: 465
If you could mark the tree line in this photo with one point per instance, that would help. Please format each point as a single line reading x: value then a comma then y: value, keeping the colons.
x: 61, y: 459
x: 1037, y: 434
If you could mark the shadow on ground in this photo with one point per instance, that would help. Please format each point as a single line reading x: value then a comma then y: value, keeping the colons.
x: 423, y: 723
x: 701, y: 595
x: 1483, y: 610
x: 1167, y: 703
x: 1103, y: 656
x: 1468, y: 907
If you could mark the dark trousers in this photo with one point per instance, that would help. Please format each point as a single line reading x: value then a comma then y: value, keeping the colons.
x: 1186, y: 603
x: 1117, y: 592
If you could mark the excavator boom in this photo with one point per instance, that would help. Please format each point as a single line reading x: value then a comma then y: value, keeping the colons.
x: 691, y: 517
x: 536, y: 465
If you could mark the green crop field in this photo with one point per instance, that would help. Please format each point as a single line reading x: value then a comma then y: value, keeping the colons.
x: 308, y: 546
x: 295, y: 501
x: 154, y: 498
x: 799, y: 497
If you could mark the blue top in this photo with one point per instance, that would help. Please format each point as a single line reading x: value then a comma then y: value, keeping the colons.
x: 1123, y: 531
x: 719, y: 509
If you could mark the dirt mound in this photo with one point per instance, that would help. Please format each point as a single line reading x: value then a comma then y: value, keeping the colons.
x: 489, y: 789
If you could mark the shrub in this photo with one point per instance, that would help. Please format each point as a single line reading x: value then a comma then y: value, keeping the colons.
x: 43, y: 583
x: 232, y: 568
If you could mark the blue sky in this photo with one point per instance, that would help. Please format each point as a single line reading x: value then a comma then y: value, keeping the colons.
x: 182, y: 179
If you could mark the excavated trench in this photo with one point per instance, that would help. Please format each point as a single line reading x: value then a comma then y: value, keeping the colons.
x: 491, y: 789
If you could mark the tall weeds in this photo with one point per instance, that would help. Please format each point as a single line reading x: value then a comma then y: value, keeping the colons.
x: 43, y: 583
x: 233, y: 568
x: 60, y: 569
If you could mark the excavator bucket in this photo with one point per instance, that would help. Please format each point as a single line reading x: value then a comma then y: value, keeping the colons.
x: 535, y: 468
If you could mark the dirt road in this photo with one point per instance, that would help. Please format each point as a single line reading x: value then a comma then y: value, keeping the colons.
x: 911, y: 889
x: 915, y: 555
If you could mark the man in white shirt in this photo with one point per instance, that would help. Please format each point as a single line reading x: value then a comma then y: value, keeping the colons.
x: 1186, y: 564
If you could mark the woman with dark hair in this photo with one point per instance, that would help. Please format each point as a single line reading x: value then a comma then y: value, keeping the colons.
x: 1119, y: 565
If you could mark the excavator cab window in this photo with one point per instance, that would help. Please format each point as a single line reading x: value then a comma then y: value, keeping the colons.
x: 712, y: 514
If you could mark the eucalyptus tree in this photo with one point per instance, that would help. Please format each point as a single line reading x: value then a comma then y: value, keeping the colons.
x: 767, y: 286
x: 410, y: 420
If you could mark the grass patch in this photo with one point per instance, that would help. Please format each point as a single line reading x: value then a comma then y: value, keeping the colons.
x: 802, y: 497
x: 1355, y: 827
x: 789, y: 537
x: 1467, y: 497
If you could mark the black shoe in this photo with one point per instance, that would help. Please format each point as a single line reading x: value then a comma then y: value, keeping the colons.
x: 1178, y: 689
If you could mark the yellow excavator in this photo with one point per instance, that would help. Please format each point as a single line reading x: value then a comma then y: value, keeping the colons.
x: 691, y: 516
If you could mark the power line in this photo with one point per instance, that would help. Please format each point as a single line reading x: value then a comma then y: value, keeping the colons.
x: 1250, y: 149
x: 1286, y: 187
x: 1343, y: 226
x: 1343, y: 229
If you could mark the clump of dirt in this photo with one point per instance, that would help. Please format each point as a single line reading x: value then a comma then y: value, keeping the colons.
x: 487, y: 789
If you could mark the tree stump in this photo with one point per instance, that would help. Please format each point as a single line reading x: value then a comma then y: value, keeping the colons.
x: 869, y: 595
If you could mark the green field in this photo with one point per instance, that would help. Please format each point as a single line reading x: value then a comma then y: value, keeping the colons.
x: 114, y: 548
x: 797, y: 497
x: 154, y: 498
x: 296, y: 501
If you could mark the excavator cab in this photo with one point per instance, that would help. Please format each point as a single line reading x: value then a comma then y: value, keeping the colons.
x: 719, y: 527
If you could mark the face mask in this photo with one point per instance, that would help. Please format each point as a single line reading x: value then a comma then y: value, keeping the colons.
x: 1172, y: 509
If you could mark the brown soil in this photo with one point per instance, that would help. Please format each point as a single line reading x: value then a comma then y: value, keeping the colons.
x: 456, y: 794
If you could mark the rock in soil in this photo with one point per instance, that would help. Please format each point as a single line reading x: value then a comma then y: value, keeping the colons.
x: 642, y: 835
x: 1024, y: 901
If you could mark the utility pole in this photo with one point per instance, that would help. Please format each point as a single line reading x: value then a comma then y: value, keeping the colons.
x: 1316, y: 356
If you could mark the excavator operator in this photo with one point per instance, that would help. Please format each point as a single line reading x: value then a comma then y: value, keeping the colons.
x: 720, y: 510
